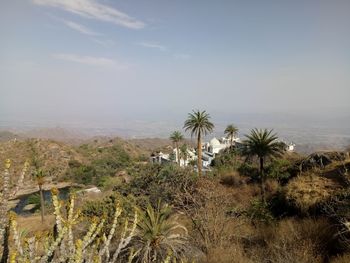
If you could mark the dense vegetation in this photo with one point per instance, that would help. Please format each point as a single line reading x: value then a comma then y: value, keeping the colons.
x: 290, y: 209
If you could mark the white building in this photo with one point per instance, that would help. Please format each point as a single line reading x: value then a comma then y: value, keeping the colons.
x: 291, y: 147
x: 160, y: 158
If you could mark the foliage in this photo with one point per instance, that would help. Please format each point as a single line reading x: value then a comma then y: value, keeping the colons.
x: 83, y: 174
x: 225, y: 159
x: 259, y: 212
x: 62, y: 246
x: 264, y: 145
x: 158, y: 234
x: 247, y: 169
x: 176, y: 137
x: 154, y: 182
x: 199, y: 124
x: 279, y: 169
x: 106, y: 162
x: 231, y: 131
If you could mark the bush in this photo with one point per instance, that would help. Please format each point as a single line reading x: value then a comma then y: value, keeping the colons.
x: 259, y: 212
x: 246, y: 169
x: 82, y: 174
x: 154, y: 182
x: 279, y: 169
x: 231, y: 179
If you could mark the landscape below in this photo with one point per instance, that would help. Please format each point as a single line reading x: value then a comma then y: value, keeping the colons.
x: 122, y: 208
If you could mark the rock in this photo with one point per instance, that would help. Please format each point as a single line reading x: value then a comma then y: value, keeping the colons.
x: 29, y: 207
x: 94, y: 190
x: 321, y: 159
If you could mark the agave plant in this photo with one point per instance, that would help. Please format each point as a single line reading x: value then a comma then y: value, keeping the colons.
x: 159, y: 236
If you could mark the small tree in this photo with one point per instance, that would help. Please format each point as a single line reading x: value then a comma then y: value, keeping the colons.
x: 184, y: 153
x: 231, y: 131
x: 264, y: 145
x: 40, y: 180
x: 177, y: 137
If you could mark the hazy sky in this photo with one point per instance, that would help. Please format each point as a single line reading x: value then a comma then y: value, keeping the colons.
x: 108, y: 60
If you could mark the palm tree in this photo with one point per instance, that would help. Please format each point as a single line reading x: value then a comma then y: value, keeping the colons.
x: 264, y: 145
x: 231, y: 131
x: 40, y: 180
x: 158, y: 235
x: 177, y: 137
x: 198, y: 123
x: 184, y: 153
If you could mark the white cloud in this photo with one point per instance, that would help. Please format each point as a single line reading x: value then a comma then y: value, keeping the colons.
x: 88, y: 60
x: 93, y: 10
x: 105, y: 43
x: 152, y: 45
x: 80, y: 28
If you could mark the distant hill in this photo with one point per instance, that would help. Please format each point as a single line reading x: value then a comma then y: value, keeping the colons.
x: 156, y: 144
x: 53, y: 156
x: 7, y: 135
x: 57, y: 133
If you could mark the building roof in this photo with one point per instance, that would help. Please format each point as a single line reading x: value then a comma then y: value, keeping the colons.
x: 214, y: 142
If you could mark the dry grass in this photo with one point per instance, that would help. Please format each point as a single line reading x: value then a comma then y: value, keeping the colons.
x: 292, y: 241
x: 234, y: 253
x: 341, y: 259
x: 308, y: 190
x: 32, y: 224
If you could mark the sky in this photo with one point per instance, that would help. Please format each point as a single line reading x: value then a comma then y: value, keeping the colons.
x: 106, y: 62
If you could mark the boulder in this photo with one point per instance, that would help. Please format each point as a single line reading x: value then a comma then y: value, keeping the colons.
x: 321, y: 160
x: 29, y: 207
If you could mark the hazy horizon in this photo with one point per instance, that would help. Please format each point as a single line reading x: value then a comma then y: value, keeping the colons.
x: 139, y: 66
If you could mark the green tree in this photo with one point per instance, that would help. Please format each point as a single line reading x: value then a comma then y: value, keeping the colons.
x: 198, y: 122
x: 184, y: 153
x: 263, y: 144
x: 231, y: 131
x: 177, y: 137
x: 40, y: 180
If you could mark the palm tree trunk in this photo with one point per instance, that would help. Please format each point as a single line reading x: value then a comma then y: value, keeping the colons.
x: 262, y: 179
x: 199, y: 149
x: 42, y: 203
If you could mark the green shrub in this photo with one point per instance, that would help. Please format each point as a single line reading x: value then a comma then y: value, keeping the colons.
x: 279, y: 169
x: 83, y: 174
x: 259, y: 212
x: 246, y: 169
x: 154, y: 182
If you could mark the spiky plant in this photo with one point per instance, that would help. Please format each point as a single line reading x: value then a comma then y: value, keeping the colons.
x: 176, y: 137
x: 94, y: 246
x: 5, y: 195
x: 158, y: 235
x: 263, y: 144
x: 231, y: 131
x: 199, y: 124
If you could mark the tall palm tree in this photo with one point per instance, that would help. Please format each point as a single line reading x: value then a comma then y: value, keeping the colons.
x: 177, y: 137
x: 40, y: 180
x: 199, y: 124
x: 231, y: 131
x: 263, y: 144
